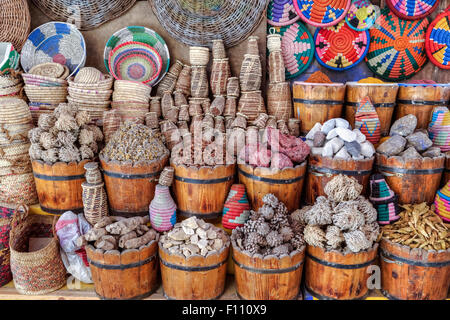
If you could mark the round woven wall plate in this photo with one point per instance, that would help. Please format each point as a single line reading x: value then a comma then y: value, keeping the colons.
x: 15, y: 21
x: 397, y: 47
x: 339, y: 47
x: 438, y: 40
x: 322, y: 13
x: 142, y: 35
x: 281, y: 13
x: 197, y: 23
x: 362, y: 15
x: 412, y: 9
x: 297, y: 48
x: 54, y: 42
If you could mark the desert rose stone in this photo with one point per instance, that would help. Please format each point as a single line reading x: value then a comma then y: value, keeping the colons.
x: 404, y: 126
x: 393, y: 146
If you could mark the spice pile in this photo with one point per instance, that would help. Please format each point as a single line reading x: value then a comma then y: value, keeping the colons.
x: 194, y: 237
x: 344, y: 222
x: 318, y: 77
x: 269, y: 231
x: 134, y: 142
x: 335, y: 139
x: 419, y: 227
x: 64, y: 135
x: 406, y: 143
x: 116, y: 233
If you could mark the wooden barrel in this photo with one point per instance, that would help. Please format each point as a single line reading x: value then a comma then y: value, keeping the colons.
x: 383, y: 97
x: 131, y: 188
x: 333, y: 275
x: 413, y: 180
x: 195, y: 278
x: 420, y: 100
x: 59, y: 185
x: 131, y: 274
x: 268, y: 279
x: 317, y: 102
x: 202, y: 192
x: 322, y: 169
x: 285, y: 184
x: 414, y: 274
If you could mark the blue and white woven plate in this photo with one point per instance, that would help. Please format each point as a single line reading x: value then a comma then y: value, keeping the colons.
x: 55, y: 42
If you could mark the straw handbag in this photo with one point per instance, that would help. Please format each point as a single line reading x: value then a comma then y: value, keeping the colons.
x: 40, y: 271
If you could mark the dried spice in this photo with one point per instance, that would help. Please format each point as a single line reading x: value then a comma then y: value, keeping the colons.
x: 318, y: 77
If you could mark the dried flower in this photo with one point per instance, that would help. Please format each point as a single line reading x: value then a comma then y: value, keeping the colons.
x: 47, y: 140
x: 334, y: 237
x: 348, y: 218
x: 299, y: 214
x: 320, y: 213
x: 98, y: 134
x: 343, y: 188
x: 287, y: 233
x: 64, y: 108
x: 69, y: 153
x: 35, y: 151
x: 356, y: 241
x: 86, y: 152
x: 314, y: 236
x: 66, y: 122
x: 35, y: 134
x: 66, y: 138
x: 367, y: 209
x: 371, y: 231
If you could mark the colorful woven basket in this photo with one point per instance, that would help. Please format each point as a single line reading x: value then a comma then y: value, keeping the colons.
x: 362, y: 15
x: 322, y: 13
x: 142, y: 35
x: 163, y: 210
x: 297, y: 48
x: 442, y: 203
x: 438, y: 40
x: 412, y: 9
x: 339, y: 47
x: 439, y: 128
x: 281, y: 13
x: 367, y: 120
x: 55, y: 42
x: 135, y: 61
x: 236, y: 207
x: 384, y: 200
x: 397, y: 47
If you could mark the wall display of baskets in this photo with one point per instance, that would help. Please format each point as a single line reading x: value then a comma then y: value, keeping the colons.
x: 144, y: 36
x: 362, y: 15
x: 297, y: 48
x: 54, y: 42
x: 15, y: 21
x: 281, y: 13
x: 322, y: 13
x: 339, y: 47
x: 437, y: 41
x: 197, y: 23
x: 85, y: 14
x: 412, y: 9
x: 397, y: 47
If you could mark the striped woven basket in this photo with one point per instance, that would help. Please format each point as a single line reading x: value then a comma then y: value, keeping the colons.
x: 438, y: 40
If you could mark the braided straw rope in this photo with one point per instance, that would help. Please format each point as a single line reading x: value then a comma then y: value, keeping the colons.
x: 15, y: 21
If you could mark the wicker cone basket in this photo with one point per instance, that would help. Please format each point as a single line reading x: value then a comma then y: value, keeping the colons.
x: 230, y: 106
x: 7, y: 212
x: 179, y: 97
x: 233, y: 89
x: 40, y: 271
x: 218, y: 49
x: 18, y: 188
x: 218, y: 105
x: 251, y: 104
x: 276, y: 67
x: 279, y: 100
x: 166, y: 176
x: 220, y: 72
x: 15, y: 22
x: 251, y: 73
x: 95, y: 202
x: 195, y: 107
x: 199, y: 82
x: 168, y: 83
x: 14, y: 159
x: 151, y: 120
x: 184, y: 81
x: 167, y: 103
x: 198, y: 56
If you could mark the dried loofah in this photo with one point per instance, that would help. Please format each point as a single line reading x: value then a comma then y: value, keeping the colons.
x: 47, y: 140
x: 98, y: 134
x: 267, y: 211
x: 356, y: 241
x: 82, y: 118
x: 66, y: 122
x: 66, y: 138
x: 35, y: 135
x: 35, y: 151
x: 348, y: 218
x: 64, y: 108
x: 50, y: 155
x: 334, y: 237
x: 287, y: 233
x: 314, y: 236
x: 86, y: 152
x: 86, y: 137
x: 371, y: 231
x: 274, y: 239
x: 343, y: 188
x: 263, y: 228
x: 367, y: 209
x: 69, y: 153
x: 320, y: 213
x: 271, y: 200
x: 46, y: 121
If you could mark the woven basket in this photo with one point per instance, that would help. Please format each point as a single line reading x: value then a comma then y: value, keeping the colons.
x: 95, y: 202
x: 184, y: 81
x: 276, y: 67
x: 438, y: 40
x: 218, y: 105
x: 251, y: 73
x: 279, y: 100
x: 412, y: 9
x: 88, y: 103
x: 322, y: 14
x: 166, y: 103
x: 166, y: 176
x: 151, y: 120
x: 40, y: 271
x: 43, y: 81
x: 199, y: 82
x: 179, y: 98
x: 7, y: 212
x: 155, y: 105
x: 169, y: 81
x: 15, y: 21
x: 172, y: 114
x: 230, y: 106
x: 281, y: 13
x: 10, y: 133
x: 105, y: 84
x: 251, y: 104
x: 233, y: 89
x: 220, y: 72
x: 18, y: 188
x: 198, y: 56
x: 14, y: 111
x: 93, y: 95
x: 88, y: 75
x: 183, y: 115
x: 218, y: 49
x: 48, y: 69
x: 261, y: 120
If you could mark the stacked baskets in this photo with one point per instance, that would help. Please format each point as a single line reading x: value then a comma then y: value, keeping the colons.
x: 439, y: 128
x: 442, y: 202
x: 131, y: 100
x: 16, y: 175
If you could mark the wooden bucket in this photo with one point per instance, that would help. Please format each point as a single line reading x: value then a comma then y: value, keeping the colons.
x: 59, y: 185
x: 334, y: 276
x: 195, y: 278
x: 420, y: 100
x: 268, y: 279
x: 131, y: 274
x: 131, y: 188
x: 321, y: 170
x: 413, y: 274
x: 202, y: 192
x: 383, y: 97
x: 285, y: 184
x: 413, y: 180
x: 317, y: 102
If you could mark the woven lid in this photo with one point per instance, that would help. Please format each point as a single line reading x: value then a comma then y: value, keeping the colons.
x: 322, y: 13
x: 15, y: 22
x: 49, y: 69
x: 339, y: 47
x: 362, y: 15
x: 397, y: 47
x: 297, y: 48
x: 197, y: 23
x: 281, y: 13
x: 438, y: 40
x: 412, y: 9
